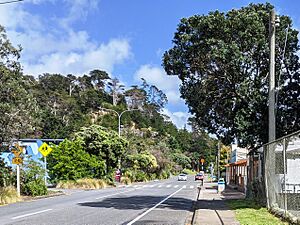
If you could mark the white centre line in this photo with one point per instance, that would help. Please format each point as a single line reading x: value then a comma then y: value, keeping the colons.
x: 31, y: 214
x: 168, y: 186
x: 192, y: 186
x: 105, y: 196
x: 184, y: 186
x: 160, y: 186
x: 175, y: 186
x: 149, y: 210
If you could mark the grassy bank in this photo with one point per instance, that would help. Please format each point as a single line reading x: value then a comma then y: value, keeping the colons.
x: 248, y: 213
x: 8, y: 195
x: 85, y: 183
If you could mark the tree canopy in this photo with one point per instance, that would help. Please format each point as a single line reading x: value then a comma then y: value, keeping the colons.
x: 222, y: 60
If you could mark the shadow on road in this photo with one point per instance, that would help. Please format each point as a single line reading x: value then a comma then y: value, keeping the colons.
x: 142, y: 202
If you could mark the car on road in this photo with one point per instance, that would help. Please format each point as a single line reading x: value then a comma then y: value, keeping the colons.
x: 182, y: 177
x: 199, y: 176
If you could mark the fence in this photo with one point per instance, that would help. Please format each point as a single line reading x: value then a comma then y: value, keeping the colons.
x: 282, y: 176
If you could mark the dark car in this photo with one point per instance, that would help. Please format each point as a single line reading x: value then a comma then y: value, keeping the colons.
x: 199, y: 176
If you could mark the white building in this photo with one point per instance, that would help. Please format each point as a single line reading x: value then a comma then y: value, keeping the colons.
x: 238, y: 153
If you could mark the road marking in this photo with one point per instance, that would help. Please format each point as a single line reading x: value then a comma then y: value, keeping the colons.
x: 146, y: 185
x: 192, y: 186
x: 149, y: 210
x: 152, y: 185
x: 184, y: 186
x: 160, y: 186
x: 168, y: 186
x: 105, y: 196
x: 135, y: 186
x: 31, y: 214
x: 175, y: 186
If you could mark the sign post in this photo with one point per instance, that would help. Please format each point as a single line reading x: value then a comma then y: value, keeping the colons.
x: 17, y: 150
x: 45, y: 150
x: 18, y: 180
x: 202, y: 162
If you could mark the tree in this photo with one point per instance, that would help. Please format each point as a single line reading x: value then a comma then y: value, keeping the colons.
x: 135, y: 97
x: 156, y: 98
x: 98, y: 77
x: 18, y: 108
x: 222, y: 61
x: 104, y: 144
x: 115, y: 89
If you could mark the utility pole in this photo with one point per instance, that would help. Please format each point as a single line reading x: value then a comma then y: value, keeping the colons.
x: 272, y: 120
x: 218, y: 160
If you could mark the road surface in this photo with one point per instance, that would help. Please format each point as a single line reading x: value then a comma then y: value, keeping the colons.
x: 161, y: 202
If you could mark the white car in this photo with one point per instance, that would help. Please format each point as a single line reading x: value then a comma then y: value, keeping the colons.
x: 182, y: 177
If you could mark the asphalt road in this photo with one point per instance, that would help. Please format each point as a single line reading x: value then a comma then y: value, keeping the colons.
x: 162, y: 202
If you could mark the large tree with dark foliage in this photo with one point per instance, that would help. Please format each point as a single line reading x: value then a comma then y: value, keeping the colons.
x: 222, y: 60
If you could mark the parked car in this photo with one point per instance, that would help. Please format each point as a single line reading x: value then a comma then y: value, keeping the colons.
x: 199, y: 176
x: 182, y: 177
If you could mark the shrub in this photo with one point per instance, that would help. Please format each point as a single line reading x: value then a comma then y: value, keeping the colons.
x: 140, y: 176
x: 69, y: 161
x: 152, y: 176
x: 8, y: 195
x: 33, y: 179
x: 35, y: 188
x: 130, y: 175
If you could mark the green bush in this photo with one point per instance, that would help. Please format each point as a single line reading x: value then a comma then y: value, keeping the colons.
x: 33, y: 179
x: 140, y: 177
x: 130, y: 175
x: 152, y: 176
x: 35, y: 188
x: 69, y: 161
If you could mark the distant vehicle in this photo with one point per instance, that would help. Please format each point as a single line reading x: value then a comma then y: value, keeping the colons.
x: 182, y: 177
x: 199, y: 176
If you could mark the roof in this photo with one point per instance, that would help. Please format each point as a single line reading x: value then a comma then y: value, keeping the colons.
x: 242, y: 162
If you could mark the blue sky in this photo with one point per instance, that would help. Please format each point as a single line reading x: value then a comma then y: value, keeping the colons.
x: 125, y: 38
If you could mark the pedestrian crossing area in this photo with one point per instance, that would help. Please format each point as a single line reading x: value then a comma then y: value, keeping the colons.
x: 184, y: 186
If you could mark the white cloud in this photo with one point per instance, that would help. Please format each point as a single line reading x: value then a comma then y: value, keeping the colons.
x: 54, y: 46
x: 104, y: 57
x: 156, y: 76
x: 78, y: 9
x: 178, y: 118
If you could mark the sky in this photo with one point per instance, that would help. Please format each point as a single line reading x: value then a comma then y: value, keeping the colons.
x: 125, y: 38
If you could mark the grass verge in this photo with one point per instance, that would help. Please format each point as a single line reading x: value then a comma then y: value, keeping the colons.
x: 250, y: 213
x: 85, y: 183
x: 8, y: 195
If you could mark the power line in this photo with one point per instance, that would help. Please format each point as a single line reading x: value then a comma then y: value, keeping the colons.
x: 8, y: 2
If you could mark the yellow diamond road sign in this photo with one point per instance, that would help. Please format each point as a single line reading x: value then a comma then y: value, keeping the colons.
x: 45, y: 149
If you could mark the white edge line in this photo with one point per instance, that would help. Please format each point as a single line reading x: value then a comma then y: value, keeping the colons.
x: 30, y: 214
x: 149, y: 210
x: 105, y: 196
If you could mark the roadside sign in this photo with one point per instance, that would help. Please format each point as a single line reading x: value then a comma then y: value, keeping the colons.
x: 45, y: 149
x: 202, y: 161
x: 16, y: 150
x: 17, y: 160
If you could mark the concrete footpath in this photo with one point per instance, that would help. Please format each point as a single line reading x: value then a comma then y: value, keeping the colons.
x: 211, y: 207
